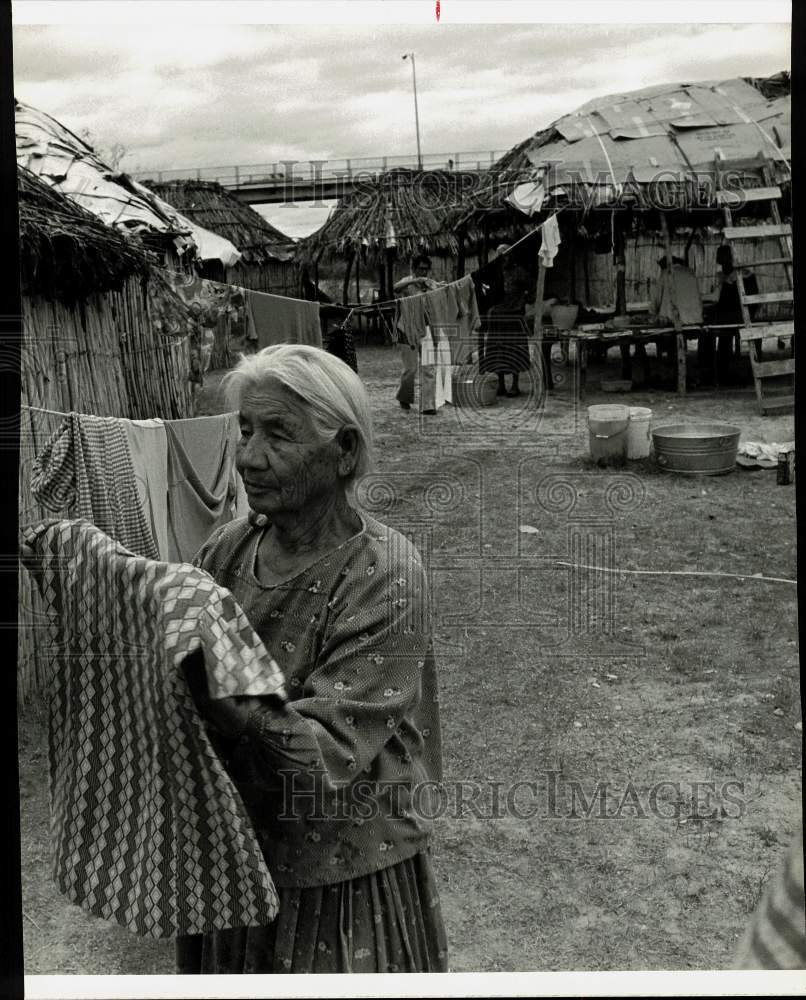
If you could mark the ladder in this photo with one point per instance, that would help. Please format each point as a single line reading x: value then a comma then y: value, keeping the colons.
x: 774, y: 379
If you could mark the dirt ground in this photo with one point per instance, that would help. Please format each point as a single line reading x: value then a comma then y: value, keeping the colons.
x: 678, y: 696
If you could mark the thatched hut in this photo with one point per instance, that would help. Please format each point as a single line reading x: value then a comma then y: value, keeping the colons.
x: 71, y: 166
x: 267, y: 255
x: 660, y: 151
x: 90, y: 340
x: 91, y: 343
x: 640, y: 175
x: 386, y: 220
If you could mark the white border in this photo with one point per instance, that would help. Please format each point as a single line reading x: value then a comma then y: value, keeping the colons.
x: 460, y: 984
x: 378, y: 12
x: 369, y: 13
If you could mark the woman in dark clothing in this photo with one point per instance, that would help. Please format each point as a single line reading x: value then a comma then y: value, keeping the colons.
x: 339, y: 783
x: 505, y: 345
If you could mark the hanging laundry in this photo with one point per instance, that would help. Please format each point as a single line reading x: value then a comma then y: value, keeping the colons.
x: 278, y: 319
x: 170, y: 314
x: 550, y: 234
x: 218, y: 313
x: 468, y: 318
x: 677, y: 294
x: 442, y: 310
x: 148, y: 829
x: 148, y: 446
x: 341, y: 344
x: 202, y: 480
x: 412, y: 319
x: 435, y: 371
x: 85, y: 470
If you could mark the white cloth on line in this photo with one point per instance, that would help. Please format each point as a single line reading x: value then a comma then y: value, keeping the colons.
x: 550, y: 233
x: 437, y: 368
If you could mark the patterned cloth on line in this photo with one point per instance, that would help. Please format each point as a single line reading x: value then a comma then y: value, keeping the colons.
x: 85, y: 471
x: 147, y: 827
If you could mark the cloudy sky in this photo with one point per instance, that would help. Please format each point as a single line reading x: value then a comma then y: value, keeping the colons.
x: 193, y: 95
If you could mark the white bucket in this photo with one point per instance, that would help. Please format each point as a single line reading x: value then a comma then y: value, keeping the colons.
x: 638, y: 437
x: 607, y: 433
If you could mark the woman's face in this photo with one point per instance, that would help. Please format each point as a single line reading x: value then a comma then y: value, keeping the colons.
x: 284, y: 466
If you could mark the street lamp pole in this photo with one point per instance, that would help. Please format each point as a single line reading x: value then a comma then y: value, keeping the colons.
x: 410, y: 55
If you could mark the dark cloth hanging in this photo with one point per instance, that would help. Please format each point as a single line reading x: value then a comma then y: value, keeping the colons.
x: 341, y: 344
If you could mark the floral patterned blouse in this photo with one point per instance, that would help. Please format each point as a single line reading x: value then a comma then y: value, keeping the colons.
x: 342, y: 781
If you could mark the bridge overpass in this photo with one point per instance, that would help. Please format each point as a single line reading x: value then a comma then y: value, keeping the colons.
x: 287, y: 181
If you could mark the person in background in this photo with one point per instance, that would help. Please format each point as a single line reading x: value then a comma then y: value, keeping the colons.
x: 415, y: 283
x: 728, y: 308
x: 506, y: 344
x: 418, y: 280
x: 333, y: 781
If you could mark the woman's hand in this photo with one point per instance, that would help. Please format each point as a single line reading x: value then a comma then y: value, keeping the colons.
x: 228, y: 715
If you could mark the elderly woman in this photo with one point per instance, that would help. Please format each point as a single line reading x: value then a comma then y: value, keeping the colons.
x: 338, y: 782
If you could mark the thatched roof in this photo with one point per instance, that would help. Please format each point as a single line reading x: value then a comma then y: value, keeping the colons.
x: 665, y: 137
x: 210, y: 205
x: 67, y: 253
x: 71, y: 166
x: 411, y: 210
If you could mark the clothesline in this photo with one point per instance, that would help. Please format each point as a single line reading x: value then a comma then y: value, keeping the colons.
x: 679, y: 572
x: 391, y: 302
x: 60, y: 413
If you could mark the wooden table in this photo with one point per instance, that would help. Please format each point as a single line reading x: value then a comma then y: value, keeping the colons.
x: 624, y: 338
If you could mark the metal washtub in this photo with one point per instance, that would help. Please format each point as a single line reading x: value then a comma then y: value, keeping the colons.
x: 702, y: 449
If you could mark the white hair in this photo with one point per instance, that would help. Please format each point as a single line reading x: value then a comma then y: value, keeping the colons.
x: 334, y: 395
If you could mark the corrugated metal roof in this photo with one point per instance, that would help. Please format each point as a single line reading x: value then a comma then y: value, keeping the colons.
x: 670, y: 129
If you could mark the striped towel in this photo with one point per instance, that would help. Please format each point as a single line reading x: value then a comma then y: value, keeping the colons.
x: 147, y: 828
x: 776, y: 937
x: 85, y: 470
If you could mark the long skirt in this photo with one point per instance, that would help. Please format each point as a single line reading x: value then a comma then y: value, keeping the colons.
x: 506, y: 347
x: 389, y: 921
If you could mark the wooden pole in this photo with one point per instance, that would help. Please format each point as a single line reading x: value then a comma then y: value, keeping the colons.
x: 345, y: 291
x: 680, y: 337
x: 621, y: 268
x: 543, y: 356
x: 586, y: 274
x: 460, y: 259
x: 390, y: 272
x: 358, y: 278
x: 621, y: 291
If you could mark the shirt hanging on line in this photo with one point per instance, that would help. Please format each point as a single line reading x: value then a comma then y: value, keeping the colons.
x: 278, y: 319
x: 148, y: 829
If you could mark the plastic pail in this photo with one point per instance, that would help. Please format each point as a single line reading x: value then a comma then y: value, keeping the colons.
x: 607, y: 432
x: 638, y: 439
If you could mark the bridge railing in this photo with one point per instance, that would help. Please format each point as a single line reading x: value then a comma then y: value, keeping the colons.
x: 321, y: 170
